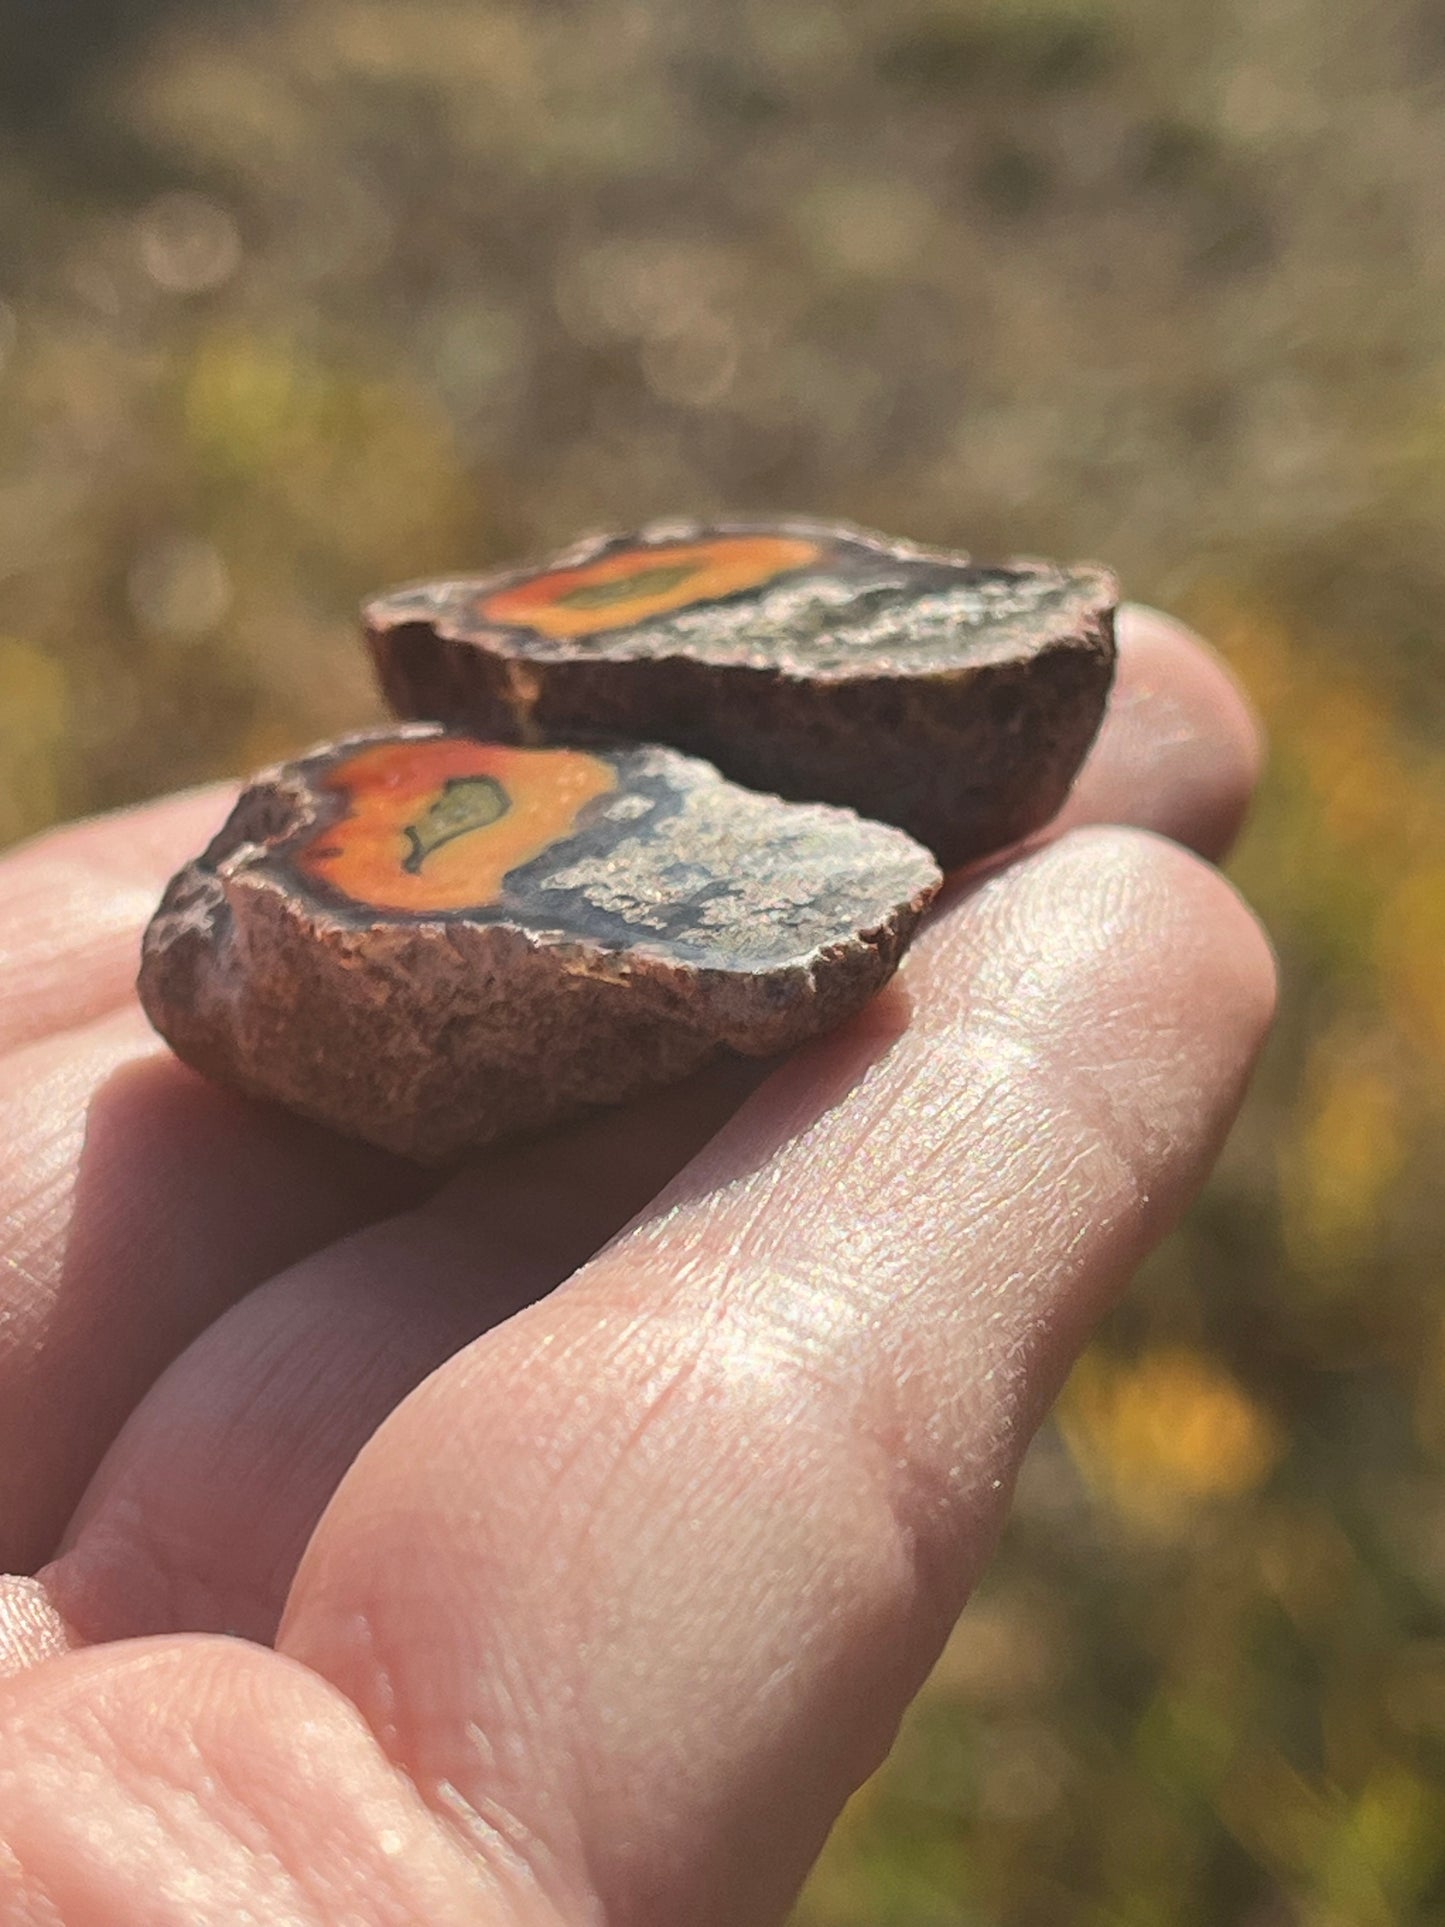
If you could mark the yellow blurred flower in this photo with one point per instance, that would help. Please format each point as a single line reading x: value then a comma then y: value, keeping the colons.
x: 1159, y: 1434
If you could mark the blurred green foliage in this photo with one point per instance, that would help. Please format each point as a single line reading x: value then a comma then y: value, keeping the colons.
x: 300, y: 298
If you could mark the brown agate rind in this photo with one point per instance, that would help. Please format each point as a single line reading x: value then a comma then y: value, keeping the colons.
x: 809, y: 659
x: 431, y: 942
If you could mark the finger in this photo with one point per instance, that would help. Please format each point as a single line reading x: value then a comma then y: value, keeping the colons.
x: 30, y: 1627
x: 74, y: 902
x: 641, y: 1582
x: 1181, y: 749
x: 201, y: 1511
x: 136, y: 1202
x: 203, y: 1783
x: 115, y: 1160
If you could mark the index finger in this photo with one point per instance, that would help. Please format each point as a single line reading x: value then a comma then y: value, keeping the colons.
x: 74, y: 901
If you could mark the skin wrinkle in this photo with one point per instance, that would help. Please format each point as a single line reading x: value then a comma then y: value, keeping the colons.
x: 790, y: 1381
x: 252, y: 1834
x: 786, y: 1215
x: 155, y: 1810
x: 841, y: 1453
x: 1007, y: 1346
x: 584, y: 1499
x: 488, y: 1827
x: 291, y: 1371
x: 1162, y: 1101
x: 491, y: 1825
x: 1005, y: 1180
x: 675, y: 1372
x: 1114, y: 1081
x: 864, y: 1149
x: 870, y: 1400
x: 670, y: 1381
x: 566, y: 1530
x: 129, y: 1225
x: 31, y: 1632
x: 1006, y: 1038
x: 178, y: 1772
x: 713, y: 1363
x: 207, y: 1805
x: 41, y: 909
x: 32, y: 1892
x: 880, y: 1383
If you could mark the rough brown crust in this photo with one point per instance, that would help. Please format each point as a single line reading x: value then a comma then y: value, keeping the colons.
x: 678, y: 916
x: 919, y: 689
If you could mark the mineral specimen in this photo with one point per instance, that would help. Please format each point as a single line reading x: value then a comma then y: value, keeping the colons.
x: 432, y: 942
x: 812, y: 660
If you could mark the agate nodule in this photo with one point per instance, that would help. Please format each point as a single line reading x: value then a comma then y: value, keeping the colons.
x: 433, y: 942
x: 809, y: 659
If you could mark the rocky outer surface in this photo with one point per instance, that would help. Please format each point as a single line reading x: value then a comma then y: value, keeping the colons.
x: 816, y: 661
x: 674, y: 915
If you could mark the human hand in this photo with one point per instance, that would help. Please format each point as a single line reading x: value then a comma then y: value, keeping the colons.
x: 607, y: 1618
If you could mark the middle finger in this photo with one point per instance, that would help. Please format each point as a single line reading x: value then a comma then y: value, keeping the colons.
x: 136, y: 1202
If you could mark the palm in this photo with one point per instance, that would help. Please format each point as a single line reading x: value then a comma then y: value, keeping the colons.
x: 635, y: 1585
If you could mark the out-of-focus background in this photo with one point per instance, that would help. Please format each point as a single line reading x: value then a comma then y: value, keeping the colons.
x: 301, y: 297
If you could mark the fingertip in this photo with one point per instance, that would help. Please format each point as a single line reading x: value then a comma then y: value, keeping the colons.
x: 1153, y: 634
x: 1196, y: 928
x: 1181, y: 748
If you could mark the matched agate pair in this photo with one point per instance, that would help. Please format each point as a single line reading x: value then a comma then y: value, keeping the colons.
x: 676, y: 793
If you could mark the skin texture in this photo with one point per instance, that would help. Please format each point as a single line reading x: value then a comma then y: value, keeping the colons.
x: 616, y: 1592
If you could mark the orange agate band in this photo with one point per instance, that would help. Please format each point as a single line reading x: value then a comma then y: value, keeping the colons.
x: 436, y: 825
x: 636, y: 584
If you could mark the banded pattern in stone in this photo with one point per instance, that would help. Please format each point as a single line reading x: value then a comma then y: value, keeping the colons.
x: 433, y: 942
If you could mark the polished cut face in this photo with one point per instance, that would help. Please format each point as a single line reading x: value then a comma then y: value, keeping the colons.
x: 436, y: 824
x: 635, y: 584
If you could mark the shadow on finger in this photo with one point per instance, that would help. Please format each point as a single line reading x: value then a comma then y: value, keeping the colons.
x: 140, y: 1202
x: 201, y: 1511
